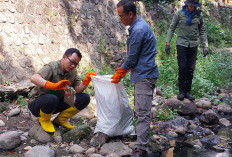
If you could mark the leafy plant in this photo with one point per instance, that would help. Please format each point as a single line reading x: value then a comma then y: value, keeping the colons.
x: 166, y: 114
x: 104, y: 49
x: 7, y: 83
x: 21, y: 100
x: 6, y: 98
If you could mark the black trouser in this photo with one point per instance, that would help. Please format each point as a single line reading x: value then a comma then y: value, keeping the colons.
x: 50, y: 103
x: 186, y: 57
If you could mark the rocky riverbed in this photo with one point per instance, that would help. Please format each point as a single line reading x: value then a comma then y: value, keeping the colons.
x: 199, y: 127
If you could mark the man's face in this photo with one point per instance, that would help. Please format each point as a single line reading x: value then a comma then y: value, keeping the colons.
x: 123, y: 17
x: 191, y: 8
x: 70, y: 62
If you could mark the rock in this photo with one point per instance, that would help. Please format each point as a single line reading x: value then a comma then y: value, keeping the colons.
x: 171, y: 135
x: 90, y: 151
x: 153, y: 112
x: 211, y: 140
x: 14, y: 112
x: 76, y: 149
x: 224, y: 108
x: 3, y: 107
x: 158, y: 144
x: 77, y: 134
x: 116, y: 147
x: 209, y: 117
x: 113, y: 155
x: 86, y: 112
x: 185, y: 107
x: 197, y: 142
x: 9, y: 140
x: 179, y: 124
x: 96, y: 155
x: 2, y: 123
x: 224, y: 122
x: 39, y: 134
x: 39, y: 151
x: 218, y: 149
x: 204, y: 104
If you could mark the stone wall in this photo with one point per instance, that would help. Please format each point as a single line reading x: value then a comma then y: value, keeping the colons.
x: 35, y: 32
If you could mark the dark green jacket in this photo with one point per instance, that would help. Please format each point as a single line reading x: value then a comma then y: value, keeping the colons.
x: 188, y: 35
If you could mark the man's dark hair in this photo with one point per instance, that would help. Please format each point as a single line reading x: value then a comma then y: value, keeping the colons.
x: 70, y: 51
x: 128, y: 5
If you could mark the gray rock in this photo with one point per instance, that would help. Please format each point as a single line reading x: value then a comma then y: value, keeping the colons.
x: 40, y: 151
x: 211, y: 140
x: 115, y: 147
x: 76, y: 149
x: 204, y: 104
x: 209, y: 117
x: 224, y: 122
x: 39, y: 134
x: 179, y: 124
x: 9, y: 140
x: 14, y: 112
x: 2, y: 123
x: 185, y: 107
x: 224, y: 108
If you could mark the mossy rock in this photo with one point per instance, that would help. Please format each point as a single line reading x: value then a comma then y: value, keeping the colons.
x: 77, y: 134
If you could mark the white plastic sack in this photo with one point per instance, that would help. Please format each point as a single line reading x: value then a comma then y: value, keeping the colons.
x: 114, y: 113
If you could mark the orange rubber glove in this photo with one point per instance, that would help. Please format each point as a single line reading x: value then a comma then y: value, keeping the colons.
x: 57, y: 86
x: 87, y: 78
x: 120, y: 73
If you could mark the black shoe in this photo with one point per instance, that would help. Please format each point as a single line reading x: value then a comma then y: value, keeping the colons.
x: 139, y: 153
x: 189, y: 96
x: 180, y: 96
x: 99, y: 139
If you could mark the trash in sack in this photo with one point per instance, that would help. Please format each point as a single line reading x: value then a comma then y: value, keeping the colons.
x: 114, y: 113
x: 70, y: 96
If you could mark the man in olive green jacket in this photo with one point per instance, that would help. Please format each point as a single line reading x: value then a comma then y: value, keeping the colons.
x: 189, y: 20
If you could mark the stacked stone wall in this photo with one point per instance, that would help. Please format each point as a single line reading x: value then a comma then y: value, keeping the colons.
x: 35, y: 32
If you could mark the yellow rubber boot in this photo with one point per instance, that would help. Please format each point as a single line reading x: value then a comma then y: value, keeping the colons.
x: 62, y: 118
x: 45, y: 122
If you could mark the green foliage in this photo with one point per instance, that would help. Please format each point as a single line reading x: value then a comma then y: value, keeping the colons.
x: 104, y: 49
x: 106, y: 70
x: 212, y: 72
x: 7, y: 83
x: 21, y: 100
x: 6, y: 98
x: 217, y: 36
x: 83, y: 71
x: 129, y: 87
x: 122, y: 46
x: 167, y: 80
x: 166, y: 114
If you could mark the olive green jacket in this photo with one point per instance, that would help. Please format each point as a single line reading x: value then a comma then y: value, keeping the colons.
x: 53, y: 72
x: 188, y: 35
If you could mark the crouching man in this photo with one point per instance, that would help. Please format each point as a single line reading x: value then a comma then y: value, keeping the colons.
x: 51, y: 83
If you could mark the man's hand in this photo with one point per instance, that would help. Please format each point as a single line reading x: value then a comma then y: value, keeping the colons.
x: 167, y: 49
x: 205, y: 51
x: 57, y: 86
x: 87, y: 78
x: 120, y: 73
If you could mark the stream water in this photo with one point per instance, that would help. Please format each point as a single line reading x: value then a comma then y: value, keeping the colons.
x: 182, y: 150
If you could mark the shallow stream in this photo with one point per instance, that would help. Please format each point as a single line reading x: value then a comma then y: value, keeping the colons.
x: 182, y: 150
